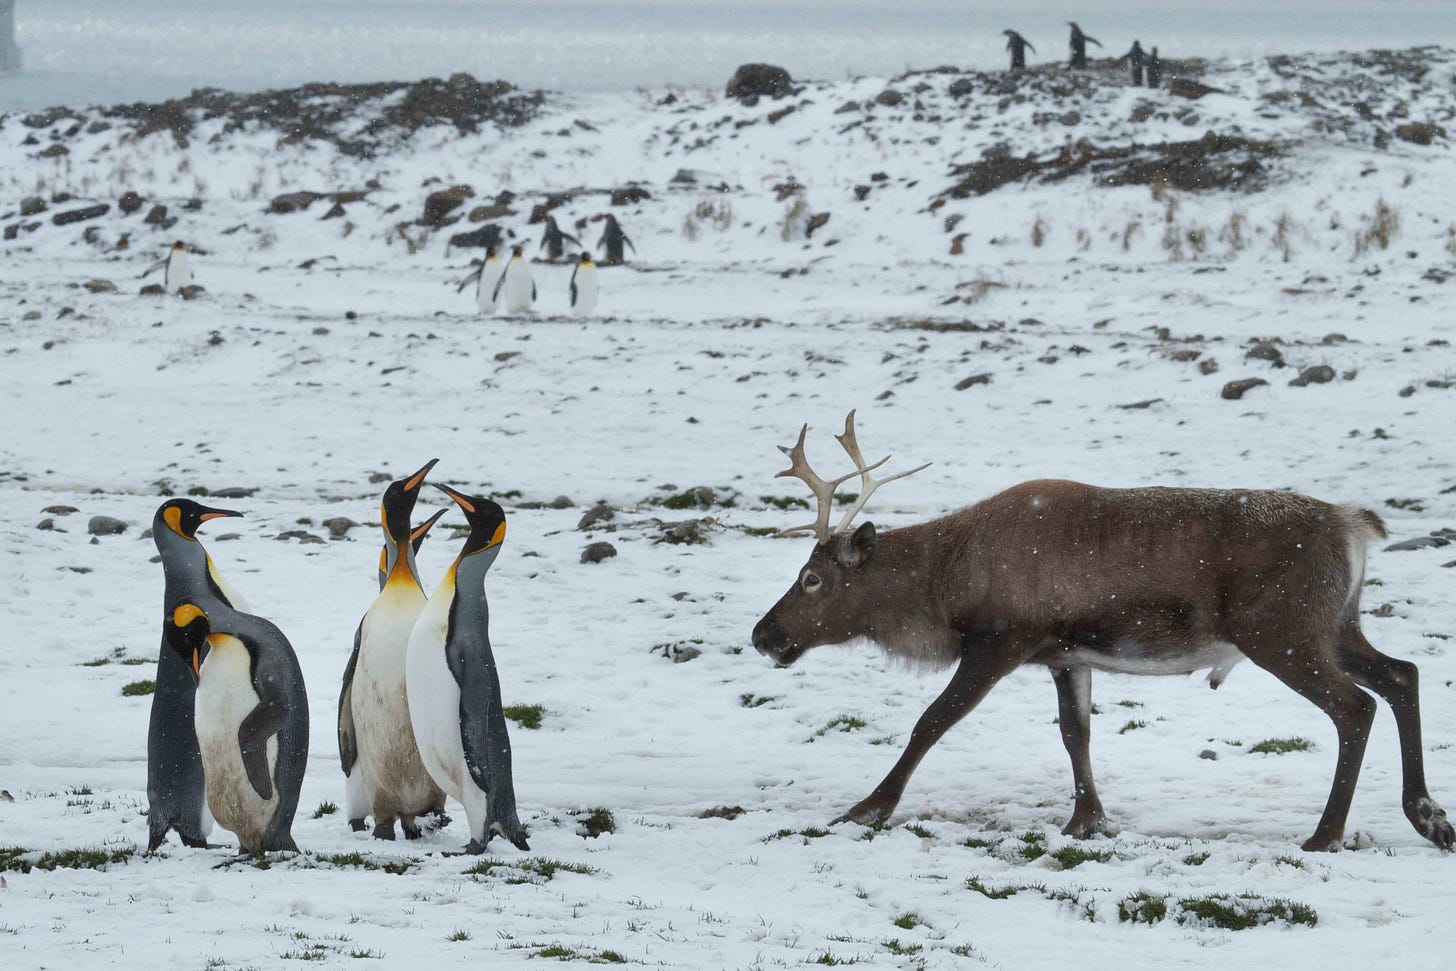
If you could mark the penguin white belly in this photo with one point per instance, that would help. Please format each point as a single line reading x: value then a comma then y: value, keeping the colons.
x: 518, y: 291
x: 490, y: 275
x: 225, y: 696
x: 393, y: 778
x: 586, y: 292
x: 179, y: 274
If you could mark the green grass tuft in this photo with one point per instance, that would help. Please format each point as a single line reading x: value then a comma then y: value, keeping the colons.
x: 1133, y: 725
x: 527, y: 716
x: 326, y: 808
x: 138, y: 688
x: 533, y: 869
x: 894, y: 946
x: 360, y: 861
x: 840, y: 723
x: 1196, y: 859
x: 1142, y: 908
x: 563, y: 953
x: 595, y: 822
x: 756, y: 701
x: 1281, y: 746
x: 808, y: 833
x: 1072, y: 855
x: 85, y: 859
x: 459, y: 935
x: 908, y: 920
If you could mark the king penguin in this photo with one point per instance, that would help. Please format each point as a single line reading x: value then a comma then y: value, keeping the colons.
x: 178, y: 274
x: 515, y: 287
x: 584, y: 286
x: 455, y: 694
x: 356, y: 800
x: 392, y: 781
x: 553, y: 241
x: 252, y: 720
x: 486, y: 276
x: 176, y: 789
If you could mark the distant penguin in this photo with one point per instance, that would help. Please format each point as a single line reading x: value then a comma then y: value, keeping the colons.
x: 554, y: 240
x: 252, y: 720
x: 612, y: 239
x: 1155, y: 70
x: 515, y: 288
x: 454, y: 688
x: 176, y: 789
x: 356, y: 798
x: 384, y: 775
x: 1078, y: 45
x: 178, y: 274
x: 1017, y: 45
x: 1135, y: 60
x: 584, y: 286
x: 486, y: 276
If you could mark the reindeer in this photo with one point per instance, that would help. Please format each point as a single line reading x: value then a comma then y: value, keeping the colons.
x: 1137, y: 581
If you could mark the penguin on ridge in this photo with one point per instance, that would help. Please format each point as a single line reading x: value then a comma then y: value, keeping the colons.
x: 176, y: 789
x: 1078, y: 45
x: 178, y: 274
x: 613, y: 239
x: 1017, y: 45
x: 515, y: 286
x: 584, y: 286
x: 252, y: 720
x: 393, y: 783
x: 454, y: 688
x: 486, y: 276
x: 356, y: 800
x: 553, y: 241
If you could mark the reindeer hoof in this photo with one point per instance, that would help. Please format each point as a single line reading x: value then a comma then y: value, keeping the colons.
x: 1321, y: 844
x: 1087, y: 827
x: 358, y: 825
x: 1430, y: 821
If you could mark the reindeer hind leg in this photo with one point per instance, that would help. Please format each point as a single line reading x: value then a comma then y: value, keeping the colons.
x: 1074, y: 704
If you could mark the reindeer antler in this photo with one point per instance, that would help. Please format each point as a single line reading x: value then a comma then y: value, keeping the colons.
x: 824, y: 489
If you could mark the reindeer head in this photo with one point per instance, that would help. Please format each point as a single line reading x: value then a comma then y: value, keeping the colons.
x: 835, y: 596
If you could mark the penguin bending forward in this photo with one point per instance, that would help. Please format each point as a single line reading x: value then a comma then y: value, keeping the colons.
x: 252, y: 720
x: 384, y: 775
x: 356, y: 801
x: 454, y: 688
x: 176, y: 789
x: 515, y: 286
x: 584, y: 286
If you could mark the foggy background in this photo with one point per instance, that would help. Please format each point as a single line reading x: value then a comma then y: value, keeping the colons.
x: 103, y: 51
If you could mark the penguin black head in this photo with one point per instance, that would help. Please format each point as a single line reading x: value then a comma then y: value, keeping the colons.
x: 516, y: 252
x: 487, y: 521
x: 585, y: 258
x: 183, y: 516
x: 191, y: 627
x: 179, y: 245
x: 399, y: 502
x: 491, y: 250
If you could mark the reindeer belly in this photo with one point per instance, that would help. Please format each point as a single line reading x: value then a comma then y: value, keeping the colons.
x: 1133, y: 657
x: 1146, y: 638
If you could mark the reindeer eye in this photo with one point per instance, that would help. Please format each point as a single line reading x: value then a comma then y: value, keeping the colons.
x: 812, y: 581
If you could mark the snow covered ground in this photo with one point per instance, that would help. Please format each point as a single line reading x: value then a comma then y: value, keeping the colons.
x: 325, y: 351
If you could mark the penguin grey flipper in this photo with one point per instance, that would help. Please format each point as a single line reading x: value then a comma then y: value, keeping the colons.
x: 628, y: 240
x: 572, y: 238
x: 475, y: 275
x: 573, y: 284
x: 533, y: 291
x: 499, y: 284
x: 1091, y: 40
x: 153, y: 268
x: 261, y: 724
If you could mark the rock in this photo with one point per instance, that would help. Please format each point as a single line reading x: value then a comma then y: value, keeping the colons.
x: 156, y: 216
x: 100, y: 286
x: 1415, y: 132
x: 1188, y: 88
x: 32, y: 205
x: 1265, y: 351
x: 287, y: 203
x: 1208, y: 366
x: 336, y: 211
x: 1140, y: 405
x: 752, y: 80
x: 60, y: 510
x: 1208, y: 754
x: 483, y: 238
x: 233, y: 492
x: 689, y: 532
x: 302, y: 535
x: 482, y: 213
x: 596, y: 552
x: 815, y: 222
x: 46, y: 524
x: 599, y: 513
x: 774, y: 117
x: 889, y: 98
x: 972, y: 381
x: 1419, y: 543
x: 561, y: 502
x: 193, y: 204
x: 192, y: 292
x: 153, y: 290
x: 81, y: 215
x: 129, y: 203
x: 439, y: 204
x: 682, y: 655
x: 847, y: 107
x: 55, y: 151
x: 1234, y: 390
x: 629, y: 196
x: 105, y: 526
x: 339, y: 526
x: 961, y: 87
x: 1319, y: 374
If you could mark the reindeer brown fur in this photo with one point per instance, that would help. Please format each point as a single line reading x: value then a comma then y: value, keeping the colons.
x: 1139, y: 581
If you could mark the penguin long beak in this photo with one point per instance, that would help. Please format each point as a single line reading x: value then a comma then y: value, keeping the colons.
x: 414, y: 481
x: 421, y: 531
x: 219, y: 514
x: 461, y: 500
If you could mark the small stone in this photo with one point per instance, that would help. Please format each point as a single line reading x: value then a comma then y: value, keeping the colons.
x: 960, y: 87
x: 439, y: 205
x: 339, y: 526
x: 129, y: 203
x: 156, y: 215
x: 233, y: 492
x: 596, y: 552
x: 100, y: 286
x: 284, y: 204
x: 561, y: 502
x: 55, y: 151
x: 599, y: 513
x: 691, y: 532
x: 227, y: 537
x: 105, y: 526
x: 302, y: 535
x: 1319, y: 374
x: 1415, y: 132
x: 60, y: 510
x: 684, y: 654
x: 1208, y: 754
x: 1188, y: 88
x: 377, y: 477
x: 1265, y: 351
x: 153, y: 290
x: 973, y: 380
x: 46, y: 524
x: 889, y: 98
x: 1234, y: 390
x: 32, y: 205
x: 82, y: 214
x: 1419, y: 543
x: 192, y: 292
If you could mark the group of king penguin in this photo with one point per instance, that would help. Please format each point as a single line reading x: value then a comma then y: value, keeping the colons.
x: 507, y: 284
x: 420, y: 711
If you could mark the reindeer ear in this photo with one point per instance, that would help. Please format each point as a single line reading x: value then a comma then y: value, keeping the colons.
x: 855, y: 548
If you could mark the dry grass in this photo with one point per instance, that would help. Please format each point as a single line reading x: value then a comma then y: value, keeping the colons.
x: 1378, y: 230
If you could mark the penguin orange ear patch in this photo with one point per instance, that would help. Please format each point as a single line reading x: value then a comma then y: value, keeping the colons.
x: 173, y: 518
x: 500, y: 535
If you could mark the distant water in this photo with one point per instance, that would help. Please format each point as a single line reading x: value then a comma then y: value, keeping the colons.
x: 104, y: 51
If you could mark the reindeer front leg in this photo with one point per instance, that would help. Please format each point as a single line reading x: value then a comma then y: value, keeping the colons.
x: 984, y: 661
x: 1074, y: 703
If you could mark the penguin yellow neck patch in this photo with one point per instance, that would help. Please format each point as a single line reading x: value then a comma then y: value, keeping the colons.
x: 186, y: 614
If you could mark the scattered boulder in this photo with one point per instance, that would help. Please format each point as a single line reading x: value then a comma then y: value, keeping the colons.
x: 281, y: 205
x: 46, y: 524
x: 599, y: 513
x: 32, y: 205
x: 484, y: 237
x: 153, y: 290
x: 759, y: 80
x: 60, y: 510
x: 192, y: 292
x: 973, y: 380
x: 339, y: 526
x: 961, y: 87
x: 629, y: 196
x: 302, y: 535
x: 233, y: 492
x: 439, y: 204
x: 100, y: 286
x: 815, y: 222
x: 156, y: 216
x: 55, y: 151
x: 561, y: 502
x: 596, y: 552
x: 689, y: 532
x: 1234, y: 390
x: 889, y: 98
x: 482, y: 213
x: 129, y: 202
x: 1319, y: 374
x: 1419, y: 543
x: 81, y: 215
x: 1415, y: 132
x: 1265, y: 351
x: 105, y: 526
x: 1191, y: 89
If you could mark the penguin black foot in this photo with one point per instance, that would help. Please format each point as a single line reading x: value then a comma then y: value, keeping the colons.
x: 358, y: 825
x: 384, y: 830
x: 197, y: 843
x: 240, y: 858
x: 473, y: 848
